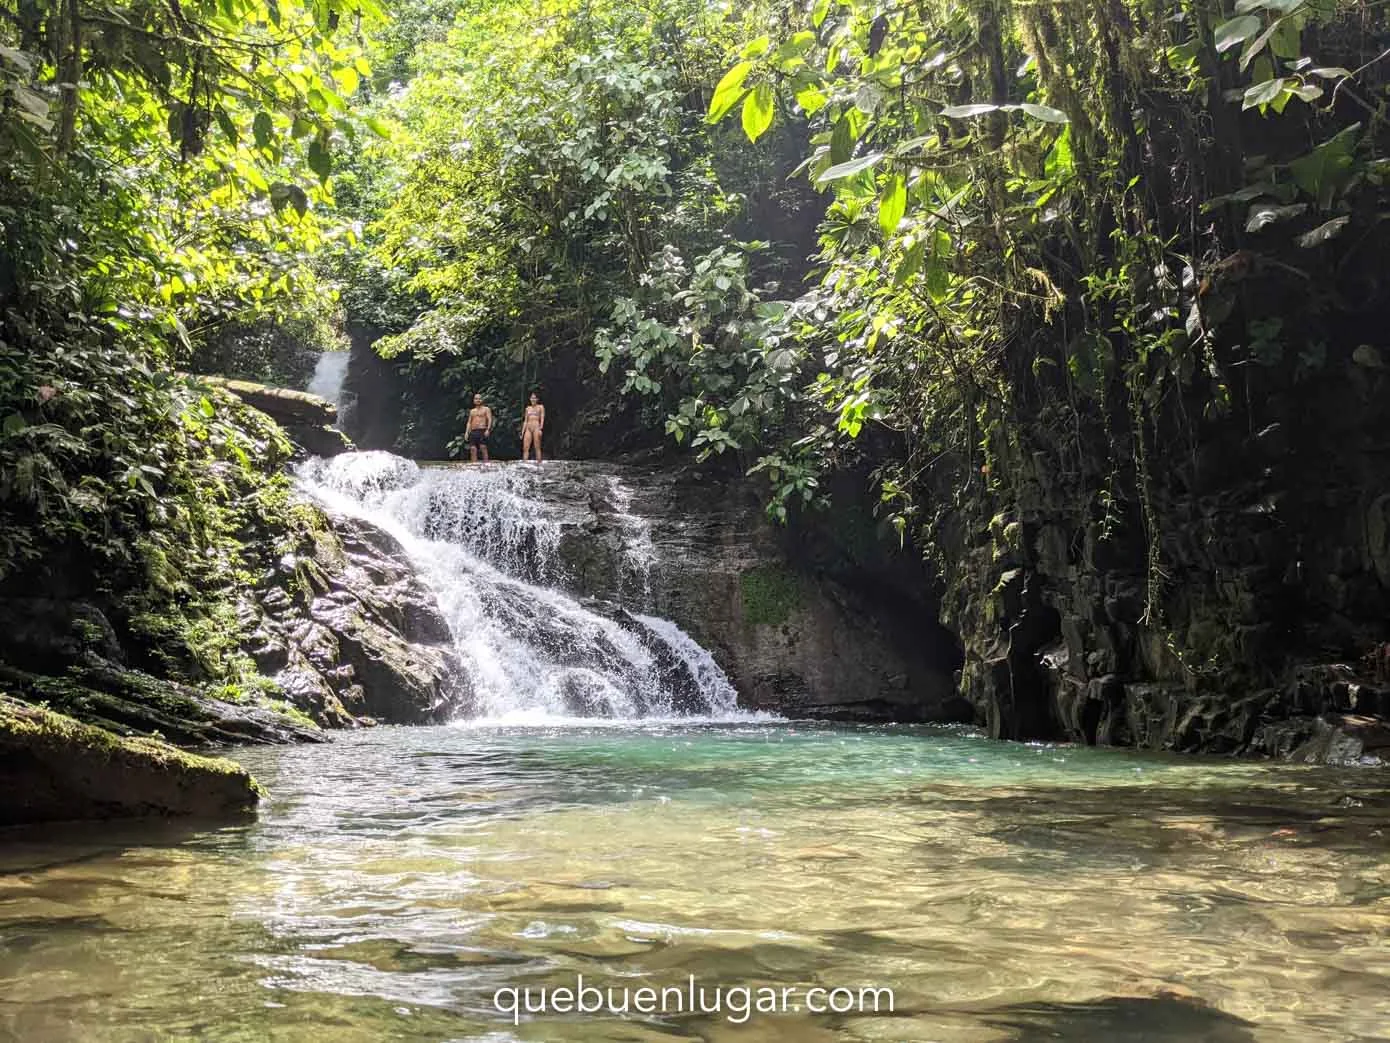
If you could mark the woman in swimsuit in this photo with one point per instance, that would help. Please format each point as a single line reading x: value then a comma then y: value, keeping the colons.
x: 532, y: 424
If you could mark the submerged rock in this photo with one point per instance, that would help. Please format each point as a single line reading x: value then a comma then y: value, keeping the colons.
x: 54, y: 768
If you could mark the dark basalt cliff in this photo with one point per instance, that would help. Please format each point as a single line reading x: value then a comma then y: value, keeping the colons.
x: 1239, y: 605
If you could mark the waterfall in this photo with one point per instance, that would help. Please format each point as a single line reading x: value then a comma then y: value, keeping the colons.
x: 488, y: 544
x: 330, y: 372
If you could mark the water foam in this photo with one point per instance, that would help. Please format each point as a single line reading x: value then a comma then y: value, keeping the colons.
x: 487, y: 545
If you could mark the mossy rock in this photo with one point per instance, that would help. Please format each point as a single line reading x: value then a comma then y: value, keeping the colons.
x: 771, y: 594
x: 53, y: 768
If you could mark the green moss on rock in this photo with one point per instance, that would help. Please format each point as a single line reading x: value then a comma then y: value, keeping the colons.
x: 771, y: 594
x: 53, y: 768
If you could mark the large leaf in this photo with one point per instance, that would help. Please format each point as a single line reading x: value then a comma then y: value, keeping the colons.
x: 757, y: 111
x: 849, y: 169
x: 1257, y: 44
x: 1264, y: 93
x: 1046, y: 113
x: 965, y: 112
x: 1264, y: 214
x: 892, y: 205
x: 320, y: 162
x: 1320, y: 173
x: 811, y: 100
x: 728, y: 92
x: 263, y: 129
x: 1237, y: 30
x: 1323, y: 232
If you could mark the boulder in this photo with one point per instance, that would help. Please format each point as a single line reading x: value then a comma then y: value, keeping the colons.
x: 352, y: 632
x: 55, y: 768
x: 309, y: 421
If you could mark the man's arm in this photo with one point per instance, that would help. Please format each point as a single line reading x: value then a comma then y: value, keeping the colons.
x: 489, y: 419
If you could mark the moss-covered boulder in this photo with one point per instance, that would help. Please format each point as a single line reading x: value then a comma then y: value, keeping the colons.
x: 55, y: 768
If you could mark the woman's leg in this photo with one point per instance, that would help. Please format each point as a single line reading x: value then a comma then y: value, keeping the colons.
x: 525, y: 444
x: 538, y: 445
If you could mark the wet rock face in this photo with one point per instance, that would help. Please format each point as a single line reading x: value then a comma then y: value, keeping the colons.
x: 55, y: 768
x: 67, y: 655
x: 793, y: 636
x: 1239, y: 605
x: 350, y: 632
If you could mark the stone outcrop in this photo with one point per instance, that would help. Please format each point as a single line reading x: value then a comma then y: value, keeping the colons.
x: 796, y: 632
x: 343, y: 631
x: 55, y: 768
x: 309, y: 421
x: 1240, y: 604
x: 350, y: 633
x: 67, y: 655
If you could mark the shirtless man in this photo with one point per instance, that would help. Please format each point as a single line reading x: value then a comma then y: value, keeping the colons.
x: 479, y: 428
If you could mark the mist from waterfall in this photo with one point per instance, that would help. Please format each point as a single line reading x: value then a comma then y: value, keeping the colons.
x: 488, y: 546
x: 330, y: 374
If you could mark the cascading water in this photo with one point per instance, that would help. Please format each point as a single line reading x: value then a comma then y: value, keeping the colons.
x: 488, y: 547
x: 330, y: 374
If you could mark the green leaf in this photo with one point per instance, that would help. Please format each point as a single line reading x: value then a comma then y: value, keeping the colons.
x: 757, y: 47
x: 348, y: 80
x: 263, y: 129
x: 227, y: 126
x: 379, y: 127
x: 1237, y: 30
x: 841, y: 141
x: 14, y: 423
x: 1264, y: 93
x: 892, y: 205
x: 964, y: 112
x: 1256, y: 45
x: 1323, y: 232
x: 1262, y: 215
x: 811, y: 100
x: 849, y: 169
x: 320, y: 162
x: 205, y: 406
x: 1046, y: 113
x: 910, y: 264
x: 1320, y: 173
x: 757, y: 111
x: 1060, y: 161
x: 729, y: 92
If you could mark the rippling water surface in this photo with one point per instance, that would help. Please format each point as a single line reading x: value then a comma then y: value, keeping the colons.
x: 399, y: 877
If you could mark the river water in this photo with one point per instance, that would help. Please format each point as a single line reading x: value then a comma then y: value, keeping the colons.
x: 399, y: 878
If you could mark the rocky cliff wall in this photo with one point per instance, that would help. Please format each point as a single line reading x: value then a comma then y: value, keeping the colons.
x: 798, y: 632
x: 1234, y: 597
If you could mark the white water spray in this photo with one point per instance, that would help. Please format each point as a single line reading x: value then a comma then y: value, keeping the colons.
x: 488, y: 547
x: 330, y: 374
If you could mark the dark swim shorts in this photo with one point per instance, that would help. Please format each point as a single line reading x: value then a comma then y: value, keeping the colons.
x: 478, y: 436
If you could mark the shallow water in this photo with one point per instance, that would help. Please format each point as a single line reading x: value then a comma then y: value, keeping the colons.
x: 400, y: 877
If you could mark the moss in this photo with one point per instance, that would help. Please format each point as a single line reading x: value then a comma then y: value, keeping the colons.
x: 770, y: 594
x: 62, y: 768
x: 294, y: 713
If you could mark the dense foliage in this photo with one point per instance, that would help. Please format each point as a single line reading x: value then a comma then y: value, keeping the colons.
x: 542, y: 171
x: 998, y: 254
x: 163, y: 172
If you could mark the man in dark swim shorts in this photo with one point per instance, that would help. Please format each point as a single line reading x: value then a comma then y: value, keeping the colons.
x: 479, y: 428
